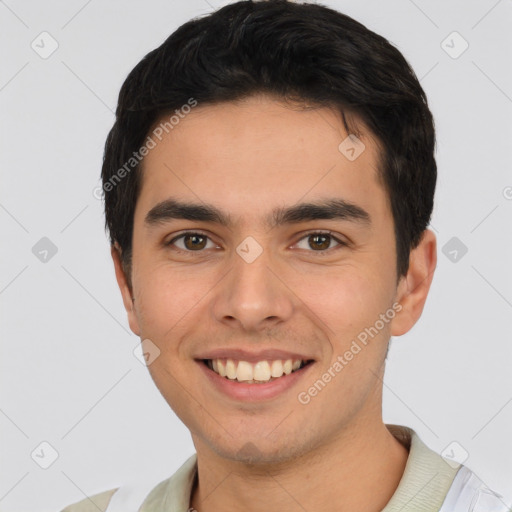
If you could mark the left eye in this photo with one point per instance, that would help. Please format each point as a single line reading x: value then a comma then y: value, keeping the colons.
x: 320, y: 242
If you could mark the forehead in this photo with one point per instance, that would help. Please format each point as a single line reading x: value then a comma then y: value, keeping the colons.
x: 252, y: 155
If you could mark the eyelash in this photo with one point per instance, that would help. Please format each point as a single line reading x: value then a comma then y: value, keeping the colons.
x: 340, y: 245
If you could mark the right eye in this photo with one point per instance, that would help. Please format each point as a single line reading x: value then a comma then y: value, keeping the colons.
x: 192, y: 241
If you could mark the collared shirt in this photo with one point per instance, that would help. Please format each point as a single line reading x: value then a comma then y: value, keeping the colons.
x: 422, y: 488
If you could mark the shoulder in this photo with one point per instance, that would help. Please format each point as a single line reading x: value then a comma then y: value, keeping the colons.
x: 468, y: 489
x: 97, y: 502
x: 173, y: 493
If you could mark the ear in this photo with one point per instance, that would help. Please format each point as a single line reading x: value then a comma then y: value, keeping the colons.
x: 413, y: 288
x: 126, y: 291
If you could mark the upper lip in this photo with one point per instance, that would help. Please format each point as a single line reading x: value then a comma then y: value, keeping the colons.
x: 251, y: 356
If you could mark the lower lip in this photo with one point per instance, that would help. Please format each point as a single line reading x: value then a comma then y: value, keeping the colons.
x: 254, y: 392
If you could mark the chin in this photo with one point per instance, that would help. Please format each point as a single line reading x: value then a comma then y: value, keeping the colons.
x: 258, y: 450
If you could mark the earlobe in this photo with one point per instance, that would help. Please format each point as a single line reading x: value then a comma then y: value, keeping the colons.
x: 126, y: 291
x: 413, y: 288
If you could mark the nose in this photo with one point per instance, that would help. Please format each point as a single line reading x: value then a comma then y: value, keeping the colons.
x: 253, y: 296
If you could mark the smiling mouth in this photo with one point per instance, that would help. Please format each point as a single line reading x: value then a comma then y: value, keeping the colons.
x: 260, y: 372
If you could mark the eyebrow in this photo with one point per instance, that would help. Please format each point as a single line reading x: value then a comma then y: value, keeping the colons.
x: 333, y: 208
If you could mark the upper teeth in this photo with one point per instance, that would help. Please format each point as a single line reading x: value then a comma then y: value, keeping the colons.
x: 261, y: 371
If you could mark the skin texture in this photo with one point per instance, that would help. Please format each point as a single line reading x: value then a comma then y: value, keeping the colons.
x: 247, y: 158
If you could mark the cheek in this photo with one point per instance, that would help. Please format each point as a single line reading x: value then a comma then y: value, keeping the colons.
x: 168, y: 298
x: 346, y: 299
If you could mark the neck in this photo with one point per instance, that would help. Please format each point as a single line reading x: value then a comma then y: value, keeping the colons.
x: 359, y: 470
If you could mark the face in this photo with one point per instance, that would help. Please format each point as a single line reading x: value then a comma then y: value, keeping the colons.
x: 230, y: 271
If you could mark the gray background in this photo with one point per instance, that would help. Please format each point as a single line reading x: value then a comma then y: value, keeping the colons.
x: 68, y: 373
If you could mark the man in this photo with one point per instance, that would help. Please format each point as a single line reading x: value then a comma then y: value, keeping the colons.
x: 268, y: 185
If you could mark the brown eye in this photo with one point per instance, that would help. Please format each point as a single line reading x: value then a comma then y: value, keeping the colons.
x: 193, y: 242
x: 320, y: 242
x: 190, y: 242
